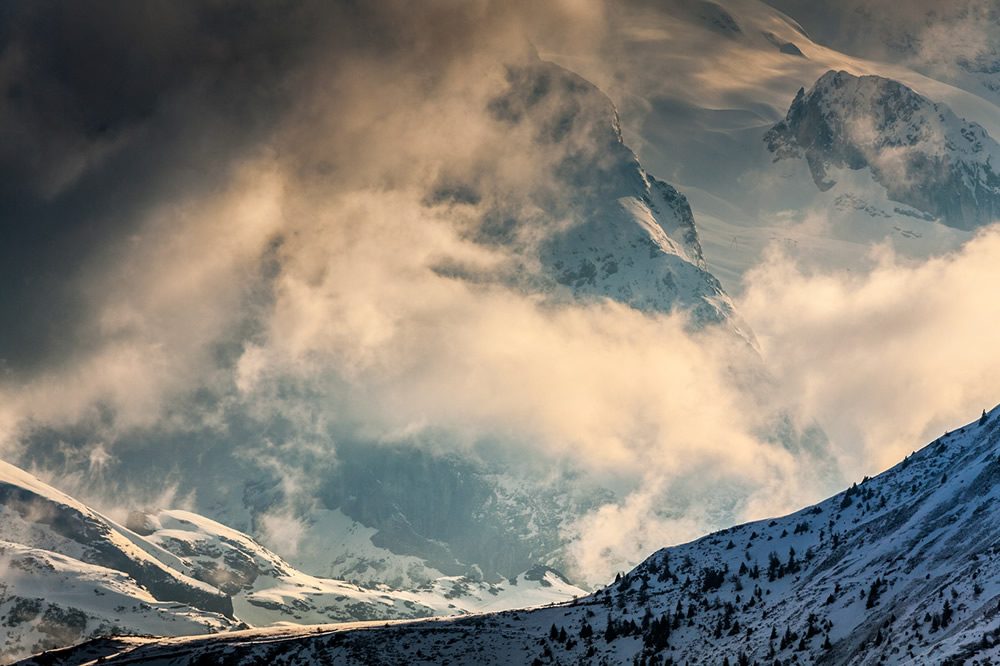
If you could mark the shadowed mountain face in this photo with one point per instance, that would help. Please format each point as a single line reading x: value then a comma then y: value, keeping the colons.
x: 919, y: 151
x: 902, y: 568
x: 460, y: 517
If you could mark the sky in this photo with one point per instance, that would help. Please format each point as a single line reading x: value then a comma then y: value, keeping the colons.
x: 236, y: 228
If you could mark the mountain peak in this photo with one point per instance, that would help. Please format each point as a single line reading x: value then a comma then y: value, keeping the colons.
x: 918, y: 150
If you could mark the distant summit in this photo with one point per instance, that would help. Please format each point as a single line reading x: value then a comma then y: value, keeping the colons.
x: 918, y: 150
x: 627, y: 236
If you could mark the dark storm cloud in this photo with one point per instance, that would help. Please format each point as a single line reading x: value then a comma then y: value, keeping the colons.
x: 82, y: 80
x: 162, y: 163
x: 106, y: 109
x: 110, y: 108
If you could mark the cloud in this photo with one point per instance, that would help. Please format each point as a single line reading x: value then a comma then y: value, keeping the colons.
x: 302, y: 232
x: 885, y: 360
x: 942, y: 39
x: 359, y: 326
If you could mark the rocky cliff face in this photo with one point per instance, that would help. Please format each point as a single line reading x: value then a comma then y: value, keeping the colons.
x: 918, y: 150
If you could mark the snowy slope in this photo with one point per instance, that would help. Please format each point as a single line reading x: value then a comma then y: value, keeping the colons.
x: 49, y: 600
x: 903, y: 568
x: 37, y: 515
x: 919, y: 151
x: 956, y: 41
x: 265, y: 589
x: 67, y: 573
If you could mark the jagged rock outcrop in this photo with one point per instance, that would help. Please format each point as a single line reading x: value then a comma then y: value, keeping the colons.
x: 918, y: 150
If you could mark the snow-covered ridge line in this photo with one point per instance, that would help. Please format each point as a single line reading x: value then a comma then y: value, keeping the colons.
x: 67, y: 574
x: 902, y: 568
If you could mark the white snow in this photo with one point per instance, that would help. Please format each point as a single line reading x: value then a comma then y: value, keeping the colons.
x: 922, y: 534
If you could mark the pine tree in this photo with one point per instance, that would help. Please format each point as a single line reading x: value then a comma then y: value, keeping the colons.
x: 611, y: 631
x: 774, y: 568
x: 787, y: 639
x: 811, y: 628
x: 792, y: 566
x: 946, y: 613
x: 874, y: 593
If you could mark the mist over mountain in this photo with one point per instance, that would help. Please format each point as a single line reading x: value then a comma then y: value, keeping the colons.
x: 437, y: 302
x: 336, y: 334
x: 899, y: 568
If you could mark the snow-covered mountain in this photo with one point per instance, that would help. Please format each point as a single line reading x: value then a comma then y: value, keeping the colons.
x: 48, y: 600
x: 600, y: 226
x: 902, y: 568
x: 698, y: 84
x: 918, y: 150
x: 70, y: 573
x: 629, y: 237
x: 265, y: 589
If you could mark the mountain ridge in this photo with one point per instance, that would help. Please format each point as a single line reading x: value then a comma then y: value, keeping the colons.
x: 900, y: 568
x: 70, y: 573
